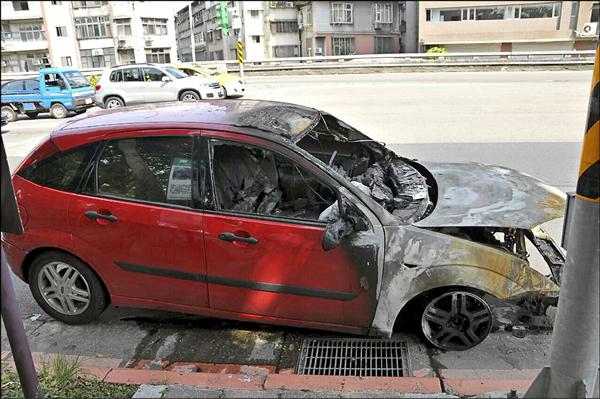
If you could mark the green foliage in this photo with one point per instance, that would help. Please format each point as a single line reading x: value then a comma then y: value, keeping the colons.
x: 60, y: 378
x: 93, y: 80
x: 437, y: 50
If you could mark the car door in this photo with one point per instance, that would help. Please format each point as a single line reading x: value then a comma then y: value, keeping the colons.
x: 263, y: 240
x: 156, y: 88
x: 131, y: 85
x: 137, y: 218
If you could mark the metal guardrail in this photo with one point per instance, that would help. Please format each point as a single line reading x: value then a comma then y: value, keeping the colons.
x: 387, y: 60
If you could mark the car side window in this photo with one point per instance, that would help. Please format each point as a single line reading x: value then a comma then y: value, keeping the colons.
x: 116, y: 76
x: 32, y: 85
x: 54, y: 80
x: 255, y: 180
x: 14, y: 85
x: 61, y: 171
x: 153, y: 74
x: 131, y: 75
x: 149, y: 169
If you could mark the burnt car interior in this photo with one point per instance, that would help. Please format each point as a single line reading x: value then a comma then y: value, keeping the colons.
x: 255, y: 180
x: 391, y: 180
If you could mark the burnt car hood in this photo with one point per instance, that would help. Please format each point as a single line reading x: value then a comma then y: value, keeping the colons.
x: 474, y: 194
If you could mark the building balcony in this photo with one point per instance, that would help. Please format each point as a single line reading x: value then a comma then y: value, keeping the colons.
x: 18, y: 45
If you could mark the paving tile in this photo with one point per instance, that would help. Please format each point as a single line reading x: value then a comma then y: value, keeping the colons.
x: 183, y: 391
x: 511, y: 374
x: 151, y: 392
x: 94, y: 373
x: 469, y: 387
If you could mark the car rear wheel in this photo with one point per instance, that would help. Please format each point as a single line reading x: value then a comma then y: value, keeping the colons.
x: 113, y: 102
x: 9, y: 113
x: 456, y: 320
x: 189, y: 96
x: 58, y: 111
x: 66, y: 288
x: 32, y: 115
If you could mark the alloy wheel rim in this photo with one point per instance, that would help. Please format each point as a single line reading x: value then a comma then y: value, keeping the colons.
x: 189, y: 98
x: 113, y: 104
x: 58, y: 111
x: 456, y: 320
x: 64, y: 288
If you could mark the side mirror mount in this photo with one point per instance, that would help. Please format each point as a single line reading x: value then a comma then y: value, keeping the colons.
x: 342, y: 227
x: 166, y: 79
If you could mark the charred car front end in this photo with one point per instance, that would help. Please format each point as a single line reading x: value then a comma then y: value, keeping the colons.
x: 452, y: 232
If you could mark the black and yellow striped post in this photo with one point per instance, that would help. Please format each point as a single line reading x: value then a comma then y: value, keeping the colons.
x: 574, y: 356
x: 240, y: 57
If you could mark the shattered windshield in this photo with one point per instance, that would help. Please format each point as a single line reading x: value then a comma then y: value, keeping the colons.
x: 387, y: 178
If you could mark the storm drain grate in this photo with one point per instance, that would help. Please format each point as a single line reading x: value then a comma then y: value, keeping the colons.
x: 354, y: 357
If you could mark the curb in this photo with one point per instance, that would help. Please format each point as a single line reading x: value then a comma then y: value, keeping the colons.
x: 462, y: 382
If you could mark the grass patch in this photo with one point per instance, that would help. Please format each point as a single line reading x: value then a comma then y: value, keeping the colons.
x: 60, y: 378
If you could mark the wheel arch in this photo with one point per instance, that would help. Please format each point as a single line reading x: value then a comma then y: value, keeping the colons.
x: 35, y: 253
x: 113, y: 95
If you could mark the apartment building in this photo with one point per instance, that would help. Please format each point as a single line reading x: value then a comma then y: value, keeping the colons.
x: 85, y: 34
x: 268, y: 29
x: 471, y: 26
x: 355, y: 27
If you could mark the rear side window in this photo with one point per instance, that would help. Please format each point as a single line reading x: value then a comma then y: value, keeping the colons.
x: 15, y: 85
x: 131, y: 75
x: 116, y: 76
x: 149, y: 169
x: 61, y: 171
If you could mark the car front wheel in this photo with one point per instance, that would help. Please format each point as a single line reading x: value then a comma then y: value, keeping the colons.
x: 9, y: 113
x: 66, y: 288
x: 456, y: 320
x: 58, y: 111
x: 189, y: 96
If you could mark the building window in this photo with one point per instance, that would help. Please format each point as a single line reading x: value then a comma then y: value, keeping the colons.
x: 595, y: 12
x: 98, y: 58
x: 126, y: 57
x: 538, y: 11
x: 61, y: 31
x: 218, y: 34
x: 383, y: 45
x: 123, y: 26
x: 307, y: 17
x: 282, y: 4
x: 158, y: 55
x: 24, y: 32
x: 341, y: 13
x: 24, y: 62
x: 209, y: 36
x: 66, y: 61
x: 92, y: 27
x: 56, y: 3
x: 284, y: 26
x: 256, y: 39
x: 198, y: 18
x: 88, y: 4
x: 343, y: 46
x: 20, y: 5
x: 254, y: 14
x: 199, y: 38
x: 382, y: 13
x: 154, y: 26
x: 285, y: 51
x: 489, y: 13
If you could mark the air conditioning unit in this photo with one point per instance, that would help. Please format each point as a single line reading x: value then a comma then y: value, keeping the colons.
x: 97, y: 51
x: 590, y: 29
x: 4, y: 63
x: 318, y: 51
x: 148, y: 43
x: 36, y: 61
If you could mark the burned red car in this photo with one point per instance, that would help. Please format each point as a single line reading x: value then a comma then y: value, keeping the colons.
x: 278, y: 213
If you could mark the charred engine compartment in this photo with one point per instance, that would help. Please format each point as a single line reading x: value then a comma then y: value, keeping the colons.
x: 393, y: 182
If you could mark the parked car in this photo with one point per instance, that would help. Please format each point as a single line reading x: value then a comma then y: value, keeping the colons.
x: 232, y: 84
x: 146, y: 83
x: 55, y: 90
x: 279, y: 214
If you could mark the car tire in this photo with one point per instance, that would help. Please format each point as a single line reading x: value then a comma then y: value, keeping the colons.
x: 113, y: 102
x: 455, y: 320
x: 224, y: 92
x: 58, y: 111
x: 189, y: 96
x: 10, y: 113
x: 32, y: 115
x: 60, y: 283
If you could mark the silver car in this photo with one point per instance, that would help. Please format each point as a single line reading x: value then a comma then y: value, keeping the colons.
x: 145, y: 83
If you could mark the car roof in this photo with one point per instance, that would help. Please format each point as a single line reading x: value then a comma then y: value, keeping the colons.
x: 283, y: 119
x: 55, y: 70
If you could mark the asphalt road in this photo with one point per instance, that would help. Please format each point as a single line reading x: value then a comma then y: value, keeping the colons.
x: 530, y: 121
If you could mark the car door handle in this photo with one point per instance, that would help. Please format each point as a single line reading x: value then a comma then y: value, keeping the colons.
x: 96, y: 215
x: 231, y: 237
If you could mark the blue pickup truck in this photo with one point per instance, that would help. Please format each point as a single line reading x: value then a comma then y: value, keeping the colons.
x: 55, y: 90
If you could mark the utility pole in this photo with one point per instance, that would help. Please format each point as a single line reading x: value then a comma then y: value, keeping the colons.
x: 574, y: 369
x: 11, y: 223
